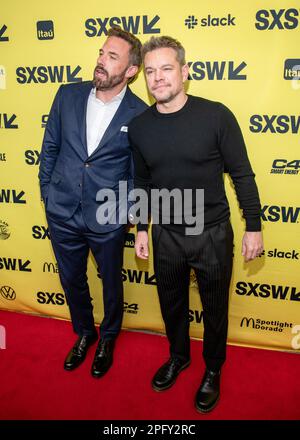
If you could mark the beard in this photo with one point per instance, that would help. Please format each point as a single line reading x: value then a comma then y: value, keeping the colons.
x: 107, y: 82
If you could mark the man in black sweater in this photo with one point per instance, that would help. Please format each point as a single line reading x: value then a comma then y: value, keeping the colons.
x: 186, y: 143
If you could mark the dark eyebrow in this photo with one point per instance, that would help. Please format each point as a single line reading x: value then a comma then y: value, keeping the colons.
x: 111, y: 53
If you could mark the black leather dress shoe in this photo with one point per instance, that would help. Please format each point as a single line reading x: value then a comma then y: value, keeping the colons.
x: 103, y: 358
x: 208, y: 394
x: 79, y: 351
x: 167, y: 374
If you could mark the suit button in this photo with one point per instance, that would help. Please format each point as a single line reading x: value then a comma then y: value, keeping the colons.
x: 86, y: 165
x: 79, y: 184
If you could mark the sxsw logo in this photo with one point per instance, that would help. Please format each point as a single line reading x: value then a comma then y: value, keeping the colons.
x: 292, y: 69
x: 275, y: 124
x: 191, y: 22
x: 129, y: 240
x: 282, y: 19
x: 138, y: 24
x: 196, y: 316
x: 40, y: 232
x: 284, y: 214
x: 12, y: 196
x: 8, y: 121
x: 56, y: 299
x: 3, y: 37
x: 138, y: 277
x: 32, y: 157
x: 8, y: 293
x: 217, y: 70
x: 45, y: 30
x: 15, y: 264
x: 45, y: 74
x: 267, y: 291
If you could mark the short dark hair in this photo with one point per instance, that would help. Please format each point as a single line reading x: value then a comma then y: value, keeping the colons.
x: 162, y: 42
x: 135, y: 57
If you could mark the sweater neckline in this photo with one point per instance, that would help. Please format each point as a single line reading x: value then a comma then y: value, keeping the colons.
x: 172, y: 114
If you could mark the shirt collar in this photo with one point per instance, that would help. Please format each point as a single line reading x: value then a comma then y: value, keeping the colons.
x: 118, y: 97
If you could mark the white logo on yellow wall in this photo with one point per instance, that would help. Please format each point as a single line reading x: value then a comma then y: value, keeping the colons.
x: 2, y: 78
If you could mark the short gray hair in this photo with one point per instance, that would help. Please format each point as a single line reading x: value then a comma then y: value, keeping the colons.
x: 162, y: 42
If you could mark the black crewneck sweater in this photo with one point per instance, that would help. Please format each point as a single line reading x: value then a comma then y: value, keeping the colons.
x: 192, y: 148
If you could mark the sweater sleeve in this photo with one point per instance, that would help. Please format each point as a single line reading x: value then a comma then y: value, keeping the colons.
x: 142, y: 177
x: 237, y: 164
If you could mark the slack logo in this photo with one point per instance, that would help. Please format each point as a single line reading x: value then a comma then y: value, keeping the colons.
x: 45, y: 30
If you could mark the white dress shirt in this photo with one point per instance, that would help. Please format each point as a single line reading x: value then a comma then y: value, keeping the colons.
x: 98, y: 117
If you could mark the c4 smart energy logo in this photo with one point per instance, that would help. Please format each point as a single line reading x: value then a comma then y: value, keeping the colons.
x: 285, y: 166
x: 45, y: 30
x: 138, y: 24
x: 48, y: 74
x: 280, y: 19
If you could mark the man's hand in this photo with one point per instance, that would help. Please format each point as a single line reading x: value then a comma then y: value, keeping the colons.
x: 252, y: 245
x: 141, y: 245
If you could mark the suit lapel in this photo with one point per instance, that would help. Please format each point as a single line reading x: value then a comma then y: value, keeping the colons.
x: 81, y: 108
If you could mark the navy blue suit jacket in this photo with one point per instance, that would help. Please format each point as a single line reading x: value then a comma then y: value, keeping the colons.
x: 68, y: 176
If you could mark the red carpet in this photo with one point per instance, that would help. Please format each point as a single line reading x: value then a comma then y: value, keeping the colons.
x: 256, y: 384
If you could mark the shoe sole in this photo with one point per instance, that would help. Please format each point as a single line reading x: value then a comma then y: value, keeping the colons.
x: 158, y: 389
x: 205, y: 411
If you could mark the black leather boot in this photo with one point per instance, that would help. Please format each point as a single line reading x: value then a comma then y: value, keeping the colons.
x: 209, y: 392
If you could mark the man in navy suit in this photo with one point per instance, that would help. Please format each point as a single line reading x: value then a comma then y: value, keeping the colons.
x: 86, y: 150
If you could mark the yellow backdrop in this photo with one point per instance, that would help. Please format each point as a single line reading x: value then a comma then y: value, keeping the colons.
x: 244, y: 54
